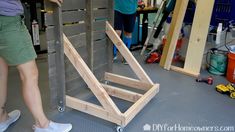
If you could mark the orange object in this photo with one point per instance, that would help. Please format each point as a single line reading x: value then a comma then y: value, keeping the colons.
x: 153, y: 58
x: 231, y: 68
x: 178, y: 45
x: 176, y: 56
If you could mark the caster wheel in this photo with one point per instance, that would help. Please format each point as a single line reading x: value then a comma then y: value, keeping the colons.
x: 61, y: 109
x: 119, y: 129
x: 218, y: 90
x: 106, y: 82
x: 232, y: 95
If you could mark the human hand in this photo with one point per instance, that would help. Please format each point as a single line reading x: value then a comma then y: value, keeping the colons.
x: 58, y: 2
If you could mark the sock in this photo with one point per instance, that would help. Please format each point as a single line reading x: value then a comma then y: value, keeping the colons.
x: 127, y: 41
x: 114, y: 51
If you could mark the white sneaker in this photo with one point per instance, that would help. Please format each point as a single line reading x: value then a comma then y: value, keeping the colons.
x: 13, y: 116
x: 114, y: 59
x: 54, y: 127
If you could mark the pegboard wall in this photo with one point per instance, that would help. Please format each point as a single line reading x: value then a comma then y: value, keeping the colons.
x: 223, y: 12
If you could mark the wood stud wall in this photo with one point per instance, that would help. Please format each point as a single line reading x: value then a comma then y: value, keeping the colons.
x: 84, y: 25
x: 79, y: 30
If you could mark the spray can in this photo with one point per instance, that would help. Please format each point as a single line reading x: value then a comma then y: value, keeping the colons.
x: 35, y: 32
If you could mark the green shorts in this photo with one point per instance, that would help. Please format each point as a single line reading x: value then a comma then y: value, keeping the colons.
x: 15, y: 41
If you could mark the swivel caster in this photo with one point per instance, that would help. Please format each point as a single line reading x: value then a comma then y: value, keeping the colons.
x: 232, y: 95
x: 61, y: 109
x: 119, y: 129
x: 106, y: 82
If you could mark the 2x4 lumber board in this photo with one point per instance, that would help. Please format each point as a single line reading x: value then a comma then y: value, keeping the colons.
x: 73, y: 16
x: 100, y: 3
x: 89, y: 34
x: 99, y: 35
x: 127, y: 54
x: 100, y: 58
x: 101, y: 13
x: 89, y: 78
x: 126, y: 81
x: 73, y: 4
x: 74, y: 29
x: 141, y: 103
x: 67, y: 17
x: 78, y: 40
x: 59, y: 58
x: 99, y: 25
x: 109, y: 42
x: 184, y: 71
x: 122, y: 93
x: 197, y: 40
x: 52, y: 80
x: 93, y: 109
x: 173, y: 34
x: 100, y: 44
x: 69, y: 30
x: 51, y: 47
x: 99, y: 71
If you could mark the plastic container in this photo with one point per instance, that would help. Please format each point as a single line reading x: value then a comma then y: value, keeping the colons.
x: 231, y: 68
x: 218, y: 34
x: 179, y: 44
x: 211, y: 38
x: 218, y: 62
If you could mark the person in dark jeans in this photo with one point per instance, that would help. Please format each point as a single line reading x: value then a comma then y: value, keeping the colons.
x: 124, y: 21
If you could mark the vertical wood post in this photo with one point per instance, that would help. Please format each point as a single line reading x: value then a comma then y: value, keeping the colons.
x: 173, y: 35
x: 110, y: 44
x: 89, y: 33
x: 60, y: 71
x: 197, y: 40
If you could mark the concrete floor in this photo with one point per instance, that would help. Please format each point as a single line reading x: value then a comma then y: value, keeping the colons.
x: 181, y: 100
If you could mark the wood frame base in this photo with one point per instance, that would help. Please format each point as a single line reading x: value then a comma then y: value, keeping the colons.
x: 108, y: 109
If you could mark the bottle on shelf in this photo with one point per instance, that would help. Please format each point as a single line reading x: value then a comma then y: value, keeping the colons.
x: 218, y: 34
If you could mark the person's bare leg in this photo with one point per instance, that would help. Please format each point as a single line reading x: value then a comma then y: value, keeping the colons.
x: 3, y: 89
x: 32, y: 97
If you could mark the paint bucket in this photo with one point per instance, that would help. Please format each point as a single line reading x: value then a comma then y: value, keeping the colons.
x: 218, y: 62
x: 231, y: 67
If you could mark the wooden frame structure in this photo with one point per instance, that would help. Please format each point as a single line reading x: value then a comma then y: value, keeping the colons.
x: 83, y: 22
x: 109, y: 111
x: 197, y: 40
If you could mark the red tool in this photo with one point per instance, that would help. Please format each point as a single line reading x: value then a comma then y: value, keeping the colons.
x: 208, y: 80
x: 153, y: 58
